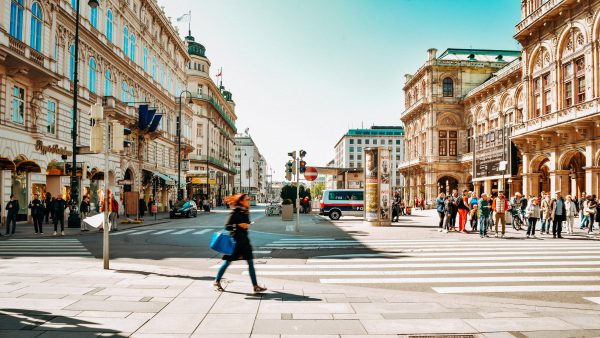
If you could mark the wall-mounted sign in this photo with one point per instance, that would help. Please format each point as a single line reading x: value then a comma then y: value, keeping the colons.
x: 55, y: 149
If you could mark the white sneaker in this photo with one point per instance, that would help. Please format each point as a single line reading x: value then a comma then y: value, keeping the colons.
x: 502, y: 236
x: 62, y: 233
x: 496, y: 236
x: 55, y: 233
x: 36, y: 233
x: 528, y: 236
x: 445, y: 231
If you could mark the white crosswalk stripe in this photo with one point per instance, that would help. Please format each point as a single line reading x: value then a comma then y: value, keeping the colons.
x: 43, y: 247
x: 167, y: 232
x: 486, y: 266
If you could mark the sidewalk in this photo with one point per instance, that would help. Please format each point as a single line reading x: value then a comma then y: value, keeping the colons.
x: 26, y: 229
x: 79, y: 299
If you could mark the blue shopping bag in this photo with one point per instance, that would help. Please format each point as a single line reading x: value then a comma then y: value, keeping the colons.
x: 223, y: 243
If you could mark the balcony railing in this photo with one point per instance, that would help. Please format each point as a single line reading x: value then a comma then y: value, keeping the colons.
x: 219, y: 108
x: 17, y: 46
x: 213, y: 160
x: 413, y: 106
x: 537, y: 14
x: 585, y: 109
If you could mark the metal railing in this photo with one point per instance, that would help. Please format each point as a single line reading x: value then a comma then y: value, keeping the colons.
x: 218, y: 108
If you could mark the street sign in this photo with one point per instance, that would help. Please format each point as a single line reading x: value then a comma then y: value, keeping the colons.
x: 124, y: 182
x: 311, y: 174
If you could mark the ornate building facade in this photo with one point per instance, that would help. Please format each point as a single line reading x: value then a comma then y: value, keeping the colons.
x: 212, y: 165
x: 129, y: 55
x: 532, y: 124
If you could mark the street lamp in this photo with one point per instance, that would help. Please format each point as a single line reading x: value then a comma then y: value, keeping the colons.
x: 179, y: 190
x: 74, y: 216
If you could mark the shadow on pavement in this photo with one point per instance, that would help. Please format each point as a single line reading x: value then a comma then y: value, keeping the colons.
x: 17, y: 322
x: 146, y: 273
x: 275, y: 295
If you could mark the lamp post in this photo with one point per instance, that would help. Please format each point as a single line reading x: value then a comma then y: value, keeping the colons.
x: 179, y: 190
x: 74, y: 216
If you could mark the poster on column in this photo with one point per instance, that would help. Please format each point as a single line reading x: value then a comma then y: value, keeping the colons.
x: 371, y: 185
x: 384, y: 186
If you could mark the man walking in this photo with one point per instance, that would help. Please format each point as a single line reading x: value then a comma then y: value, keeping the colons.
x: 500, y: 206
x: 37, y: 214
x: 483, y: 209
x: 12, y: 210
x: 559, y: 214
x: 84, y: 208
x: 58, y: 210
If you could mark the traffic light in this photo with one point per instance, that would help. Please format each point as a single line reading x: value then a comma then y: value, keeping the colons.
x: 292, y: 154
x: 68, y: 167
x: 288, y: 170
x: 302, y: 165
x: 118, y: 141
x: 302, y: 153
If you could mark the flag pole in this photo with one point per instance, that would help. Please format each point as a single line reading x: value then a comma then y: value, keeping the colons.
x: 221, y: 77
x: 190, y: 23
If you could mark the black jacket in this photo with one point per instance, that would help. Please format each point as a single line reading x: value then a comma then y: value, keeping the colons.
x: 37, y: 207
x: 12, y: 207
x: 59, y: 206
x: 243, y: 248
x: 84, y: 206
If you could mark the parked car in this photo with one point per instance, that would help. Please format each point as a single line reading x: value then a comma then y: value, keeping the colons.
x: 187, y: 209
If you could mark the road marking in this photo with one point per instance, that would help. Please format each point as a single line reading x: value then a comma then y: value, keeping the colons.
x: 181, y: 232
x: 203, y: 231
x: 163, y: 231
x: 112, y: 233
x: 43, y: 247
x: 434, y: 254
x: 261, y: 251
x: 593, y: 299
x: 140, y: 232
x: 517, y: 288
x: 423, y: 272
x: 435, y: 280
x: 420, y: 265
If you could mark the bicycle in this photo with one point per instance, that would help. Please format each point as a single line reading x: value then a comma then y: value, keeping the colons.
x: 518, y: 221
x: 273, y: 210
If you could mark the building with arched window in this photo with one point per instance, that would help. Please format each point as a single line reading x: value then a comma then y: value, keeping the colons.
x: 37, y: 86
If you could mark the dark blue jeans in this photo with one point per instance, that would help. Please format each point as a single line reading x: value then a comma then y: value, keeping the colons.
x: 11, y: 219
x: 251, y: 271
x: 483, y: 225
x: 531, y: 228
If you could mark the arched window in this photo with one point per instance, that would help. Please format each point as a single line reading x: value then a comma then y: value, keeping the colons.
x: 124, y: 89
x: 448, y: 87
x: 109, y: 25
x: 94, y: 16
x: 16, y: 19
x: 71, y: 61
x: 35, y: 40
x: 132, y: 47
x: 154, y: 67
x: 131, y: 96
x: 92, y: 77
x: 107, y: 83
x: 145, y: 59
x: 125, y: 41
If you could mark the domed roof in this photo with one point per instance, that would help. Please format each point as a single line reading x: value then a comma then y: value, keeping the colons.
x: 195, y: 48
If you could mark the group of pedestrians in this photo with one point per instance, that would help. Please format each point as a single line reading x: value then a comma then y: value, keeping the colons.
x: 47, y: 210
x: 487, y: 211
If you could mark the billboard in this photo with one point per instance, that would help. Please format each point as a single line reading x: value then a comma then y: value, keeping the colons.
x: 377, y: 186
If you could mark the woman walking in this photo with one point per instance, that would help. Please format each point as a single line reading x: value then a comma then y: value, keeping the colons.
x: 571, y: 212
x: 532, y: 212
x: 238, y: 224
x: 440, y: 209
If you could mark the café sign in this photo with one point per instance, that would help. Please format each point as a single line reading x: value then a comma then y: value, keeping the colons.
x: 54, y: 149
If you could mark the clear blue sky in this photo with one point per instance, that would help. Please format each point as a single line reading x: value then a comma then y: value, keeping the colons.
x: 303, y: 71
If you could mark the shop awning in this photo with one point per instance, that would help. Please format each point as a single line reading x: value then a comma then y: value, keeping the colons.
x: 6, y: 164
x: 168, y: 180
x: 28, y: 166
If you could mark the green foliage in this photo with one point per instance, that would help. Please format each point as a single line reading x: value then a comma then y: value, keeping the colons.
x: 317, y: 189
x: 289, y: 192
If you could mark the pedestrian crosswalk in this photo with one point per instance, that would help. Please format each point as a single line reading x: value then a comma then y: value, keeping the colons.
x: 167, y: 232
x: 66, y: 247
x: 446, y: 266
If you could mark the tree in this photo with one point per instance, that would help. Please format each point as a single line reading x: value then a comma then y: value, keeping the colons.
x: 289, y: 192
x: 317, y: 189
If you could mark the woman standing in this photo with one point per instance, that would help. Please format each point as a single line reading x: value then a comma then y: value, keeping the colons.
x: 593, y: 212
x: 440, y: 209
x: 533, y: 214
x: 463, y: 211
x: 238, y: 224
x: 571, y: 212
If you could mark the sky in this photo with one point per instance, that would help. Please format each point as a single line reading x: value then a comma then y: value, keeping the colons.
x: 302, y: 72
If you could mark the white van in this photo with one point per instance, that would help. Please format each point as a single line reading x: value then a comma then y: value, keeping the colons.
x: 336, y: 202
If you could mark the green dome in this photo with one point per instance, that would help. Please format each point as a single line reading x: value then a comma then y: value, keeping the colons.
x: 195, y: 48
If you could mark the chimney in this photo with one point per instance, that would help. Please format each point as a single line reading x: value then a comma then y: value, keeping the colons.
x: 432, y: 53
x: 407, y: 77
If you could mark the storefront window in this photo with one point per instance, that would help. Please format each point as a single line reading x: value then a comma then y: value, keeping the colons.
x: 19, y: 189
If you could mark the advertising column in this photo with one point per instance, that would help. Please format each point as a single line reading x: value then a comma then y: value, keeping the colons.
x: 377, y: 186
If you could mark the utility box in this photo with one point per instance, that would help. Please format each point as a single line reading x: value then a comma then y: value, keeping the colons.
x: 287, y: 212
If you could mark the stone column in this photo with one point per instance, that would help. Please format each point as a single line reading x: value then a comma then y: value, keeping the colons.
x: 487, y: 187
x: 477, y: 188
x: 517, y: 186
x: 559, y: 181
x: 592, y: 180
x: 532, y: 182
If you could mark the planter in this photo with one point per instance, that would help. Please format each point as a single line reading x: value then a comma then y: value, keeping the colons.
x: 287, y: 212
